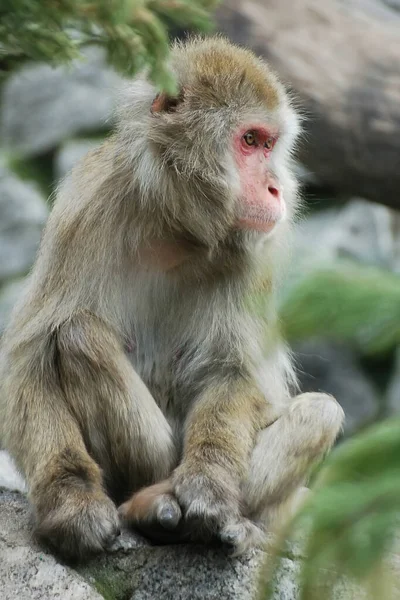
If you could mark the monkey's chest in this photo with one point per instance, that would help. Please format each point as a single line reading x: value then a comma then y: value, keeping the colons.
x: 158, y: 365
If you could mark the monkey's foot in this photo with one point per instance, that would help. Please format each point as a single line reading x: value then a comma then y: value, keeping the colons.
x: 155, y: 513
x: 211, y: 513
x: 82, y: 524
x: 242, y: 536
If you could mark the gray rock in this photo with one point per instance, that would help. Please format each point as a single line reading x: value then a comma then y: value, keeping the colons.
x: 26, y: 571
x: 9, y: 294
x: 70, y: 153
x: 10, y: 479
x: 132, y: 569
x: 41, y: 105
x: 23, y: 213
x: 333, y: 368
x: 361, y: 231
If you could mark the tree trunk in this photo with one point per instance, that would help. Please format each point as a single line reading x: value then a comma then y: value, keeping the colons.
x: 342, y: 58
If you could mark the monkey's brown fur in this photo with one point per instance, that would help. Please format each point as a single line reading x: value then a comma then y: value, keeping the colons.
x: 134, y: 357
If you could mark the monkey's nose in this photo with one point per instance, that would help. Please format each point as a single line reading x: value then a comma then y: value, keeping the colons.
x: 274, y: 191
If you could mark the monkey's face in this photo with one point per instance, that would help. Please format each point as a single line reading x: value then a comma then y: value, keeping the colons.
x: 261, y: 205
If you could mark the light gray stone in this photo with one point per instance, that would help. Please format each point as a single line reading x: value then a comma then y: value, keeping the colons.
x: 26, y: 571
x: 41, y: 105
x: 10, y: 479
x: 361, y: 231
x: 132, y: 568
x: 70, y: 153
x: 23, y: 212
x: 9, y: 294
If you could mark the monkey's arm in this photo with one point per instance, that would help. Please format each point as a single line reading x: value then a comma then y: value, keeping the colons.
x: 219, y: 438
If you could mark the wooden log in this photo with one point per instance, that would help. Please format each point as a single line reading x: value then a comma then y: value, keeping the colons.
x: 343, y: 61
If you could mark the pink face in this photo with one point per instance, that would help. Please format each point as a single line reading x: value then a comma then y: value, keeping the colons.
x: 262, y: 205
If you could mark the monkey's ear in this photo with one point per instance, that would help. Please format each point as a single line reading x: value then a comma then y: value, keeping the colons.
x: 164, y: 103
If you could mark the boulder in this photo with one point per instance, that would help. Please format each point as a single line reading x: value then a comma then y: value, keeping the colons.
x: 131, y: 570
x: 9, y: 294
x: 23, y: 212
x: 70, y: 153
x: 334, y: 368
x: 361, y: 230
x: 42, y: 105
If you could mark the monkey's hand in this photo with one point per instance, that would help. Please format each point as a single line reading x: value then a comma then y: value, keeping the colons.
x: 209, y: 500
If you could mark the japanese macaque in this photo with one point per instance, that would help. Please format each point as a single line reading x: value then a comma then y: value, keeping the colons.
x: 142, y: 359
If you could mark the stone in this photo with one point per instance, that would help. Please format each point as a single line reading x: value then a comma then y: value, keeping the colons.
x: 23, y: 212
x: 333, y: 368
x: 42, y: 105
x: 9, y: 294
x: 361, y: 231
x: 26, y: 571
x: 70, y: 153
x: 132, y: 569
x: 10, y: 479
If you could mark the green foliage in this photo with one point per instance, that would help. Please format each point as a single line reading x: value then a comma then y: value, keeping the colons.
x: 349, y: 523
x: 348, y: 302
x: 133, y: 32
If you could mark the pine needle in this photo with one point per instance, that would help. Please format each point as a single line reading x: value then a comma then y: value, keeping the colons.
x: 347, y: 302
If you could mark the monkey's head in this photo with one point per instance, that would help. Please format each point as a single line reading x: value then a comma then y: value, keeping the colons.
x: 213, y: 159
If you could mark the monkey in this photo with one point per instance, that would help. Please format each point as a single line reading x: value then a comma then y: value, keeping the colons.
x: 143, y: 366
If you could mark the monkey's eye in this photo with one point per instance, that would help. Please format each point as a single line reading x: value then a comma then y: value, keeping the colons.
x: 269, y: 143
x: 250, y: 138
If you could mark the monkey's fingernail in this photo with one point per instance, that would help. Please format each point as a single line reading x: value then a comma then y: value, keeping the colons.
x: 169, y: 517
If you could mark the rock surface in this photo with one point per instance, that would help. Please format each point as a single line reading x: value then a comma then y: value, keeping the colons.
x: 333, y: 368
x: 70, y: 153
x: 9, y: 294
x: 134, y: 570
x: 60, y: 103
x: 10, y: 479
x: 131, y: 570
x: 23, y: 212
x: 362, y: 231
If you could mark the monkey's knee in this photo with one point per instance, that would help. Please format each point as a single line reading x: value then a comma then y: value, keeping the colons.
x: 286, y: 450
x: 316, y: 420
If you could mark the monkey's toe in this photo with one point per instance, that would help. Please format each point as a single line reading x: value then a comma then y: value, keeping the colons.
x: 238, y: 538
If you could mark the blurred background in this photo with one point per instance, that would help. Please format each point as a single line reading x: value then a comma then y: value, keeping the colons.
x: 340, y: 307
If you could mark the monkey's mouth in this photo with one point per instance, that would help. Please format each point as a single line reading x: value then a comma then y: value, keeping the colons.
x: 256, y: 224
x: 256, y: 218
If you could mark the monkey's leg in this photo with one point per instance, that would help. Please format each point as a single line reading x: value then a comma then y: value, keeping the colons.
x: 84, y: 402
x: 219, y: 438
x: 286, y: 450
x: 72, y: 512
